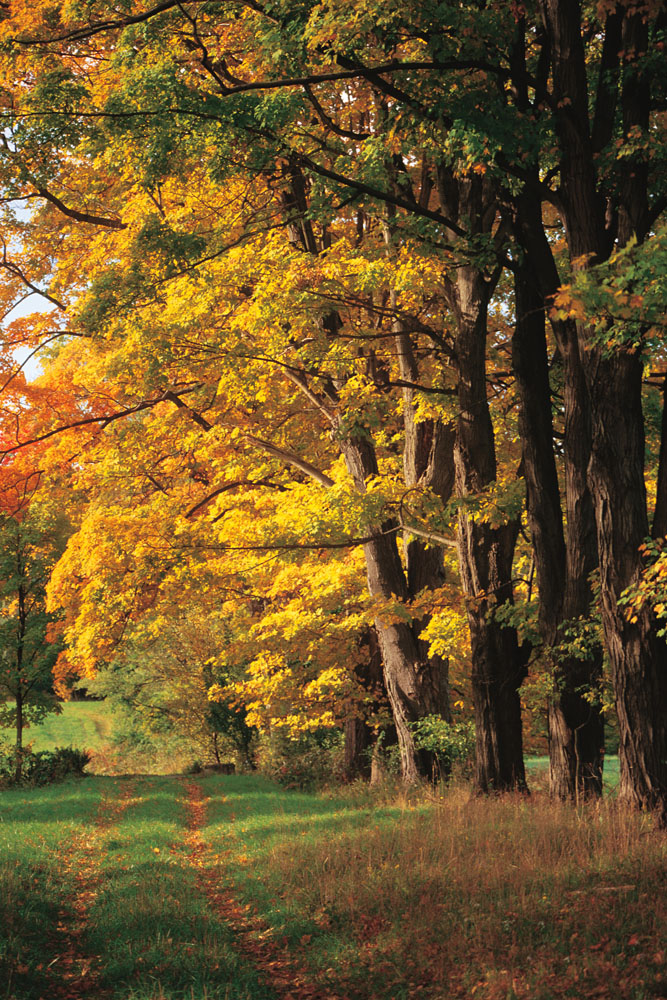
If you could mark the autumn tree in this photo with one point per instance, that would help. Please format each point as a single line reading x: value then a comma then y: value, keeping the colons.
x: 31, y: 540
x: 416, y: 683
x: 457, y: 140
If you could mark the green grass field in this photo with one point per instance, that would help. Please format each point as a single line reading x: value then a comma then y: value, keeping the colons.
x: 90, y: 725
x: 84, y: 724
x: 231, y: 888
x: 538, y: 768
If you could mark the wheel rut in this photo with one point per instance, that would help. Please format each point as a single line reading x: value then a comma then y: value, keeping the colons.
x: 75, y: 972
x: 276, y: 964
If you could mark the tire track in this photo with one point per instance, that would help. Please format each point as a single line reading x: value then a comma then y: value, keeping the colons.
x: 75, y: 972
x: 276, y: 964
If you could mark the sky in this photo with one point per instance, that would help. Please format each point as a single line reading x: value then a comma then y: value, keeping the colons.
x: 33, y: 303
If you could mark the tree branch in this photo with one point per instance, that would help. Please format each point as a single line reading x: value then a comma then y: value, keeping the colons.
x: 291, y: 459
x: 104, y: 420
x: 73, y: 213
x: 231, y: 486
x: 88, y: 30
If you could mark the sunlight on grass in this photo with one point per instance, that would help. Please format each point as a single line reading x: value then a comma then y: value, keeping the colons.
x: 84, y: 724
x: 509, y: 897
x: 537, y: 772
x: 377, y: 894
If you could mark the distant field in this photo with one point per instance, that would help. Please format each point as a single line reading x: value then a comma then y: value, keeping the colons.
x: 538, y: 767
x: 89, y: 725
x: 84, y: 724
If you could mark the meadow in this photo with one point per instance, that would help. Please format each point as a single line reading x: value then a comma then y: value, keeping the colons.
x: 212, y: 887
x: 91, y: 726
x: 85, y: 724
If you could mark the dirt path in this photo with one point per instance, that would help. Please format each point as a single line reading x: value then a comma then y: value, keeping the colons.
x: 75, y: 972
x: 285, y: 977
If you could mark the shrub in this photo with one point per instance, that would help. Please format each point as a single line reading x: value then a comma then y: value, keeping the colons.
x: 306, y: 761
x: 451, y: 743
x: 43, y: 767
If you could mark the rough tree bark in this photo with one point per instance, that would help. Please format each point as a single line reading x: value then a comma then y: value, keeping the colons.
x: 415, y: 689
x: 613, y: 378
x: 659, y: 526
x: 361, y: 738
x: 564, y: 562
x: 485, y: 552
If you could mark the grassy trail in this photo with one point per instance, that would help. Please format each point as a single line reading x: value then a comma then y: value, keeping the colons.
x: 230, y: 888
x: 278, y: 964
x: 75, y: 974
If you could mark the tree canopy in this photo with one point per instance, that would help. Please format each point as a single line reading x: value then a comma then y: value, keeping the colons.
x: 355, y: 323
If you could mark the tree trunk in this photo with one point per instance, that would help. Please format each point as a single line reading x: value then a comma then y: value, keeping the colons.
x: 358, y: 743
x: 428, y: 463
x: 659, y: 526
x: 415, y: 685
x: 414, y: 688
x: 485, y: 552
x: 18, y: 772
x: 613, y: 377
x: 485, y: 556
x: 576, y: 724
x: 637, y: 654
x: 20, y: 689
x: 359, y: 736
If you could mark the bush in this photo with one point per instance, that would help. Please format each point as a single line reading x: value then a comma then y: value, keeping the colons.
x: 42, y: 768
x: 451, y: 743
x: 306, y: 761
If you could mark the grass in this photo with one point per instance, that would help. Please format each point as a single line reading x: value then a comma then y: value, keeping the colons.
x: 90, y: 725
x: 33, y: 825
x: 157, y: 936
x: 148, y: 931
x: 538, y: 767
x: 87, y: 725
x: 497, y: 898
x: 379, y: 895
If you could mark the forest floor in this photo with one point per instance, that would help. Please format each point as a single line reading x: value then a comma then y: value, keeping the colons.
x: 232, y: 888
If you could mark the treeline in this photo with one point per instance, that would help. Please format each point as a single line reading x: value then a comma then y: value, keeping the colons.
x: 355, y: 361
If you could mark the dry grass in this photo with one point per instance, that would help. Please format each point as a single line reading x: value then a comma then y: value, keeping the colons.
x: 494, y: 898
x: 378, y: 897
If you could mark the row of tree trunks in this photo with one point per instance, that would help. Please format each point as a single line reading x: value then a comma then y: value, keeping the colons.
x: 564, y: 560
x: 614, y: 380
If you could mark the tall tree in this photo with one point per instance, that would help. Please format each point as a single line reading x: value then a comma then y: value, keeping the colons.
x: 398, y: 120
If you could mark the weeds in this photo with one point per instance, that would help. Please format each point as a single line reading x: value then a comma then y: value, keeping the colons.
x: 464, y: 896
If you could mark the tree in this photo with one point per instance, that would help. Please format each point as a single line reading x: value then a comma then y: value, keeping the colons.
x: 286, y: 210
x: 31, y: 541
x: 416, y: 685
